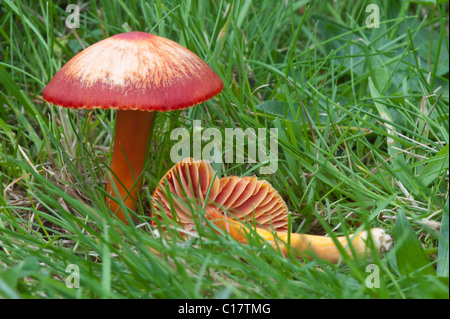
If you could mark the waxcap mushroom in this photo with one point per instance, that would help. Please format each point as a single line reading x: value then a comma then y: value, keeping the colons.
x: 193, y: 183
x: 132, y: 72
x: 249, y: 199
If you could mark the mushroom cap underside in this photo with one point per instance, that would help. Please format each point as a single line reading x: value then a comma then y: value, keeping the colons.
x: 191, y: 184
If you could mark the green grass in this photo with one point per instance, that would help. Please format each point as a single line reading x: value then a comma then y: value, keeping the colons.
x: 362, y: 117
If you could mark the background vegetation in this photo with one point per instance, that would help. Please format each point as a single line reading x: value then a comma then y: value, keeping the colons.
x: 362, y: 117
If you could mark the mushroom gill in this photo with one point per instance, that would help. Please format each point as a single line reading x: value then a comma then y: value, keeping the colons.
x: 193, y: 184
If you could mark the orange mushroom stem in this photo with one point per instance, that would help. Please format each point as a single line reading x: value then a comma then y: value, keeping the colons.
x: 304, y: 245
x: 250, y: 201
x: 128, y: 159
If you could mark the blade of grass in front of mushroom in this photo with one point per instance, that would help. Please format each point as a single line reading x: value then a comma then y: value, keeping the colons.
x: 173, y: 197
x: 170, y: 223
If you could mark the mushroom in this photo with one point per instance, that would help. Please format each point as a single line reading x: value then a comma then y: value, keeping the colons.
x: 193, y: 184
x: 235, y: 203
x: 132, y: 72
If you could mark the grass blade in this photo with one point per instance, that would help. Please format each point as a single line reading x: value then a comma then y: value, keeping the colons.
x: 411, y: 258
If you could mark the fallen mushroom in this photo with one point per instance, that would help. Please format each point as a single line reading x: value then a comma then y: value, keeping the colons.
x: 132, y: 72
x: 192, y: 184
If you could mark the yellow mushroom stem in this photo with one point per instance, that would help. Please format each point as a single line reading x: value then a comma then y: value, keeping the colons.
x: 128, y: 158
x: 303, y: 245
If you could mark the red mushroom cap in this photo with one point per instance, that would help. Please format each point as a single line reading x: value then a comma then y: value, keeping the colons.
x: 133, y: 71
